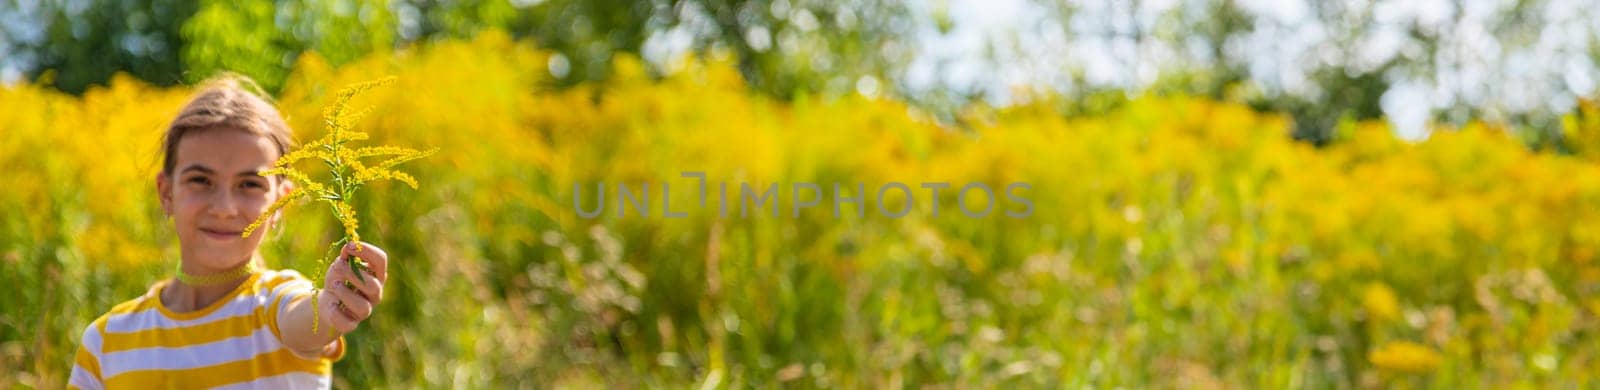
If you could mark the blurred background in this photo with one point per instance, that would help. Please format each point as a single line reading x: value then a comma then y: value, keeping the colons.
x: 1229, y: 193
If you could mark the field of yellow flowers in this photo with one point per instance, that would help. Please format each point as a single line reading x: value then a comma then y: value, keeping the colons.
x: 1174, y: 241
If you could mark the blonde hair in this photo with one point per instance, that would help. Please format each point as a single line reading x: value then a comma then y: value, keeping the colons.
x: 227, y: 101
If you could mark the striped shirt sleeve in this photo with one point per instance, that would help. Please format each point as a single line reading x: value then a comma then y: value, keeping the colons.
x: 86, y: 363
x: 290, y: 286
x: 285, y: 288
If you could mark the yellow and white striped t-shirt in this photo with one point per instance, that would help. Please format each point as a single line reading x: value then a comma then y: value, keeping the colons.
x: 234, y: 342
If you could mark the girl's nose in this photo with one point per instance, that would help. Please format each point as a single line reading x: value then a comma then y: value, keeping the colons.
x: 223, y: 206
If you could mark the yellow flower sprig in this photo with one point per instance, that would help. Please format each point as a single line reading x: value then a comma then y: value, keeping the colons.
x: 346, y: 174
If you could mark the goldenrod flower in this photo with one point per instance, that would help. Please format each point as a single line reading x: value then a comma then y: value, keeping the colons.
x: 1404, y: 356
x: 1380, y: 302
x: 346, y: 171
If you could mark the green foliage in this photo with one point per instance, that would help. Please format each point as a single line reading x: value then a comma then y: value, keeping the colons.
x: 86, y: 42
x: 783, y: 49
x: 262, y: 39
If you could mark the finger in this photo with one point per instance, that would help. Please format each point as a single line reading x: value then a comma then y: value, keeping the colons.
x: 377, y: 260
x: 338, y: 273
x: 352, y: 287
x: 357, y: 307
x: 367, y: 286
x: 342, y: 271
x: 372, y: 291
x: 348, y: 260
x: 337, y: 316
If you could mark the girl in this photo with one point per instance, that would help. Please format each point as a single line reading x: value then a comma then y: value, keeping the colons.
x: 224, y: 320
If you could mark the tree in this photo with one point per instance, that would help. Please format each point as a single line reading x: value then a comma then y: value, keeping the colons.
x: 84, y: 43
x: 782, y: 47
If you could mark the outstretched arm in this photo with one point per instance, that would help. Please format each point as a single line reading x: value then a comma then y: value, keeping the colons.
x: 345, y: 300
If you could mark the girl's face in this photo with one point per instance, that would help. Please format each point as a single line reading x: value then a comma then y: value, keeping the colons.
x: 213, y: 192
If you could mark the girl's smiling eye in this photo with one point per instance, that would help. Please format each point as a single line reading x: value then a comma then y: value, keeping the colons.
x: 198, y: 180
x: 253, y: 185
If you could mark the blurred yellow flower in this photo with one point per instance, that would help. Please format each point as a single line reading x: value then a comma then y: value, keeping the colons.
x: 1404, y: 356
x: 1380, y: 302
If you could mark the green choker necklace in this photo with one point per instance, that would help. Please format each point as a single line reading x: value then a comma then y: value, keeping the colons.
x: 247, y: 269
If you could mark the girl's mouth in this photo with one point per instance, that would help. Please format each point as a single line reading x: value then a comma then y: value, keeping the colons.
x: 220, y: 234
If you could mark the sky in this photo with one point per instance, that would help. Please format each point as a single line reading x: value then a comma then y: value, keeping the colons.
x: 1505, y: 72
